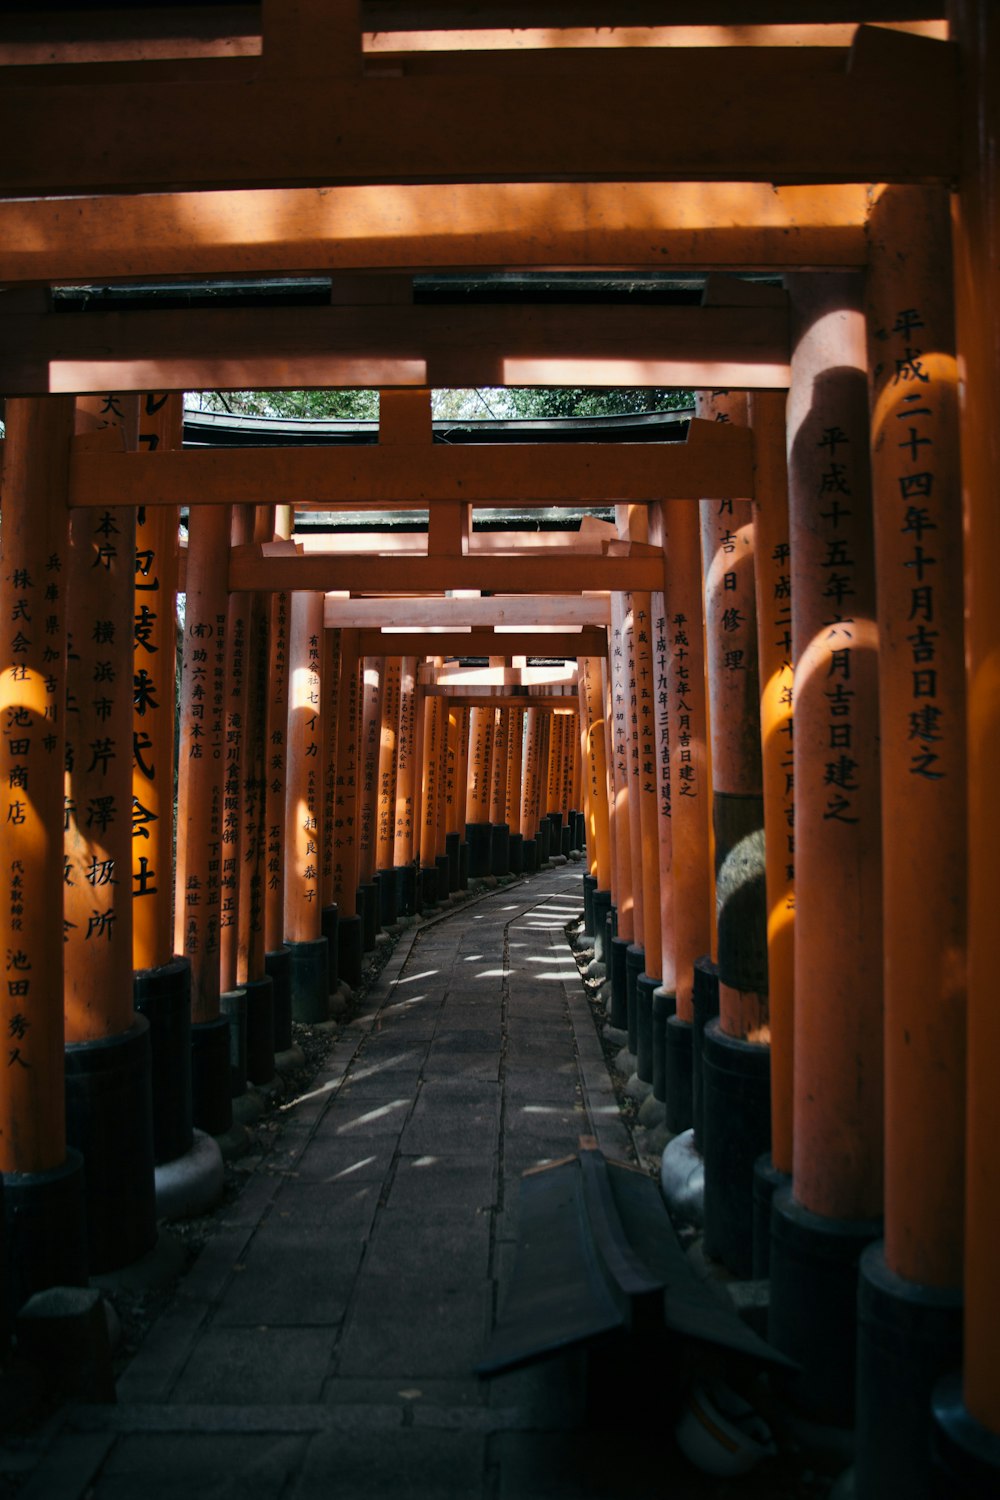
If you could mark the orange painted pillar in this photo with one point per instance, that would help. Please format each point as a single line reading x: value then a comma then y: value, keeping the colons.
x: 477, y: 802
x: 407, y: 768
x: 350, y: 938
x: 500, y: 830
x: 310, y: 973
x: 385, y: 819
x: 774, y: 651
x: 593, y: 749
x: 162, y: 978
x: 277, y: 955
x: 453, y: 809
x: 201, y: 760
x: 332, y: 687
x: 237, y: 648
x: 531, y: 788
x: 108, y: 1045
x: 967, y: 1413
x: 645, y: 781
x: 43, y: 1181
x: 373, y: 677
x: 512, y: 798
x: 433, y: 718
x: 911, y: 1283
x: 821, y: 1224
x: 625, y: 925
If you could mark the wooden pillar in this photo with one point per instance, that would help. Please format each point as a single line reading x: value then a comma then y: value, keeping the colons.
x: 912, y: 1283
x: 237, y: 649
x: 155, y: 651
x: 821, y: 1224
x: 477, y: 802
x: 774, y: 649
x: 385, y: 823
x: 498, y: 768
x: 647, y: 783
x: 373, y: 677
x: 406, y: 764
x: 595, y: 779
x: 345, y: 843
x: 332, y: 688
x: 620, y: 761
x: 199, y: 808
x: 970, y: 1419
x: 276, y: 734
x: 303, y: 810
x: 531, y: 785
x: 434, y: 707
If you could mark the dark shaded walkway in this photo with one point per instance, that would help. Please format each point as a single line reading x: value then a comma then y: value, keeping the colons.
x: 324, y: 1342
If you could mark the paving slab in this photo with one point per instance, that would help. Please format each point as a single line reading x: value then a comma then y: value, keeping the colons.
x: 415, y: 1465
x: 256, y: 1366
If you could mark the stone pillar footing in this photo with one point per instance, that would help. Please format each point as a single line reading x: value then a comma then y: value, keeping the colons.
x: 619, y: 989
x: 233, y: 1005
x: 63, y: 1333
x: 515, y: 850
x: 310, y: 981
x: 589, y: 887
x: 441, y: 864
x: 477, y: 837
x: 45, y: 1218
x: 385, y: 881
x: 367, y: 903
x: 260, y: 1029
x: 193, y: 1183
x: 600, y: 909
x: 813, y: 1313
x: 664, y: 1005
x: 163, y: 996
x: 635, y: 963
x: 499, y: 849
x: 350, y: 939
x: 677, y: 1069
x: 965, y: 1455
x: 682, y: 1180
x: 645, y: 988
x: 529, y: 852
x: 211, y: 1097
x: 909, y: 1337
x: 406, y: 890
x: 766, y: 1182
x: 428, y: 887
x: 278, y: 964
x: 329, y: 919
x: 109, y: 1120
x: 737, y: 1129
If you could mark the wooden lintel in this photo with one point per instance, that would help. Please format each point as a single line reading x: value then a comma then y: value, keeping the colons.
x: 579, y: 115
x: 423, y: 345
x: 452, y: 677
x: 716, y: 459
x: 590, y: 641
x: 524, y: 611
x: 428, y: 575
x: 530, y: 698
x: 660, y: 226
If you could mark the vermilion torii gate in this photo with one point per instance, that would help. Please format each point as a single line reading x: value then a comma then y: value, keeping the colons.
x: 876, y: 618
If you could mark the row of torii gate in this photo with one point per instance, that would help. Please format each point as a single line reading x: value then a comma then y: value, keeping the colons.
x: 796, y: 564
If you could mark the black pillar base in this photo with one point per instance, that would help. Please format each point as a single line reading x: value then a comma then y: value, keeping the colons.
x: 909, y: 1337
x: 329, y: 918
x: 367, y: 903
x: 109, y: 1120
x: 619, y: 989
x: 737, y: 1107
x: 385, y: 881
x: 260, y: 1029
x: 635, y: 962
x: 406, y: 890
x: 233, y: 1005
x: 441, y: 865
x: 589, y: 887
x: 45, y: 1218
x: 349, y: 950
x: 677, y: 1044
x: 664, y: 1006
x: 477, y: 836
x: 310, y: 981
x: 565, y: 842
x: 543, y: 839
x: 500, y: 849
x: 705, y: 1003
x: 529, y: 850
x: 211, y: 1098
x: 965, y: 1455
x: 766, y: 1182
x: 163, y: 996
x: 463, y: 866
x: 452, y: 846
x: 428, y: 887
x: 645, y: 988
x: 515, y: 853
x: 601, y: 907
x: 813, y: 1312
x: 278, y: 965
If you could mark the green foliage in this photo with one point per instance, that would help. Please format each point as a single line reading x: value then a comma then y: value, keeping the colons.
x: 349, y: 405
x: 502, y: 402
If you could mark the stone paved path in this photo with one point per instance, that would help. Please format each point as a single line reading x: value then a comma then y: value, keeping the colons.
x: 324, y: 1341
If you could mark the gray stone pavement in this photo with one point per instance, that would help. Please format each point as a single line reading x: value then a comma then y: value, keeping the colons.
x: 323, y: 1343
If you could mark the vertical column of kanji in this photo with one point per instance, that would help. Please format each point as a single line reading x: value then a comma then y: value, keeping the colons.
x: 388, y: 751
x: 552, y: 812
x: 162, y: 979
x: 821, y: 1224
x: 575, y: 784
x: 512, y: 791
x: 648, y: 981
x: 477, y: 802
x: 912, y: 1282
x: 454, y: 799
x: 200, y: 774
x: 429, y: 791
x: 590, y: 688
x: 350, y: 936
x: 623, y: 920
x: 108, y: 1061
x: 665, y: 996
x: 330, y: 669
x: 530, y: 788
x: 406, y: 773
x: 500, y: 829
x: 233, y: 997
x: 303, y: 811
x: 690, y: 802
x: 251, y: 973
x: 373, y: 678
x: 446, y: 748
x: 966, y: 1443
x: 774, y: 646
x: 461, y: 785
x: 635, y: 956
x: 277, y: 958
x: 46, y: 1238
x: 735, y: 1055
